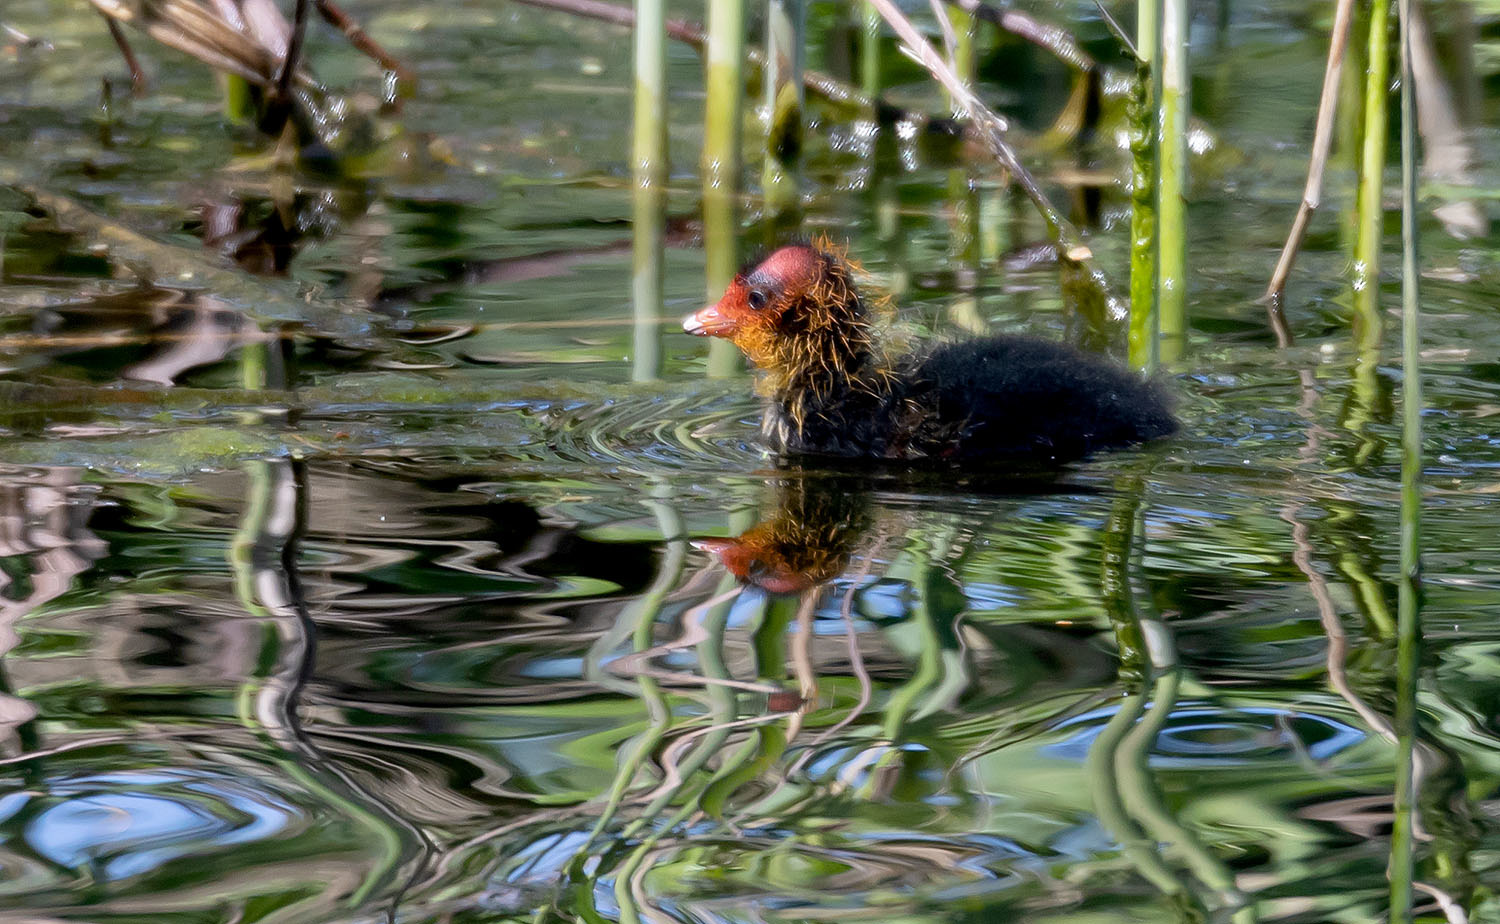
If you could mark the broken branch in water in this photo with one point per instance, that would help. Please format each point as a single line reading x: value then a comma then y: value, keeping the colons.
x: 292, y: 58
x: 1046, y: 36
x: 1312, y: 193
x: 137, y: 76
x: 990, y: 128
x: 335, y: 16
x: 255, y: 49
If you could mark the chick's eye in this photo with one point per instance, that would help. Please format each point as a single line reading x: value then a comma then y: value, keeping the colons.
x: 757, y: 299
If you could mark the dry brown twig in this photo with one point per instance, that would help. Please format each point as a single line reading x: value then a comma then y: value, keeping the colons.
x: 253, y: 47
x: 1312, y: 193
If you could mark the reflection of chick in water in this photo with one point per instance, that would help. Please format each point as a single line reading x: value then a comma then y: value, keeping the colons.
x: 818, y: 522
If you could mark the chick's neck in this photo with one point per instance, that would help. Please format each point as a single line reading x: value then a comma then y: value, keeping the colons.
x: 825, y: 354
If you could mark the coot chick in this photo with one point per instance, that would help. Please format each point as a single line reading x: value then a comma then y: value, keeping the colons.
x: 833, y: 391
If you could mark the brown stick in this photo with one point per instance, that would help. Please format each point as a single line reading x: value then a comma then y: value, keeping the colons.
x: 1312, y: 193
x: 342, y: 21
x: 1119, y: 33
x: 137, y: 76
x: 1047, y: 37
x: 293, y: 51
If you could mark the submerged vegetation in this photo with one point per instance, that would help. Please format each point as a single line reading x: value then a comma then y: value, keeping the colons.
x: 373, y: 545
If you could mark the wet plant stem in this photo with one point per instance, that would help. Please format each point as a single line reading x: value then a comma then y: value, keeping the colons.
x: 649, y: 171
x: 962, y: 197
x: 1171, y: 203
x: 1082, y: 280
x: 722, y: 133
x: 1408, y: 625
x: 1366, y: 280
x: 869, y: 50
x: 1143, y: 337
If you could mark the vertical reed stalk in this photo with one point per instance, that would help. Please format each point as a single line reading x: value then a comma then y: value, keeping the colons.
x: 1345, y: 157
x: 1408, y: 626
x: 1370, y: 217
x: 786, y: 22
x: 649, y: 170
x: 1142, y: 117
x: 962, y: 197
x: 1171, y: 284
x: 722, y: 129
x: 869, y: 50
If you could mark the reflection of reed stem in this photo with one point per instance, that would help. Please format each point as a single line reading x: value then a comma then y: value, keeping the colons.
x: 642, y: 616
x: 1116, y: 762
x: 1110, y: 809
x: 1138, y: 789
x: 263, y: 558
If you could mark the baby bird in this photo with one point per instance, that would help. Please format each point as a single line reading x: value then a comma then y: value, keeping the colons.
x: 832, y: 391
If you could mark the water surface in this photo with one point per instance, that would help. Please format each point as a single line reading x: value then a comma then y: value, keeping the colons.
x: 422, y: 632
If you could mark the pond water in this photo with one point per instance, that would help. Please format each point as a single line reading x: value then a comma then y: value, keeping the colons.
x: 434, y: 629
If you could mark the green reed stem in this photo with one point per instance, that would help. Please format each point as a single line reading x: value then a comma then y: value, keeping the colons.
x: 786, y: 23
x: 963, y: 198
x: 1171, y: 285
x: 1345, y: 156
x: 869, y: 50
x: 1408, y: 626
x: 649, y: 170
x: 1370, y: 212
x: 1144, y: 345
x: 723, y: 122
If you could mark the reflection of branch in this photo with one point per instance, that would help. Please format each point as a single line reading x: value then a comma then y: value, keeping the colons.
x: 152, y: 260
x: 856, y: 664
x: 1333, y: 627
x: 43, y: 523
x: 263, y: 558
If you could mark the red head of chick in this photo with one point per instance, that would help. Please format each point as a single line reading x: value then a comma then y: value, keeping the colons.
x: 832, y: 391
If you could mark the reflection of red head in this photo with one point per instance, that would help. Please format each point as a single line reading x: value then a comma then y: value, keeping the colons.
x: 754, y: 566
x: 807, y: 541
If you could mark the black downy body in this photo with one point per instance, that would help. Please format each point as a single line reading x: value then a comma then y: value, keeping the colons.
x: 1007, y: 398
